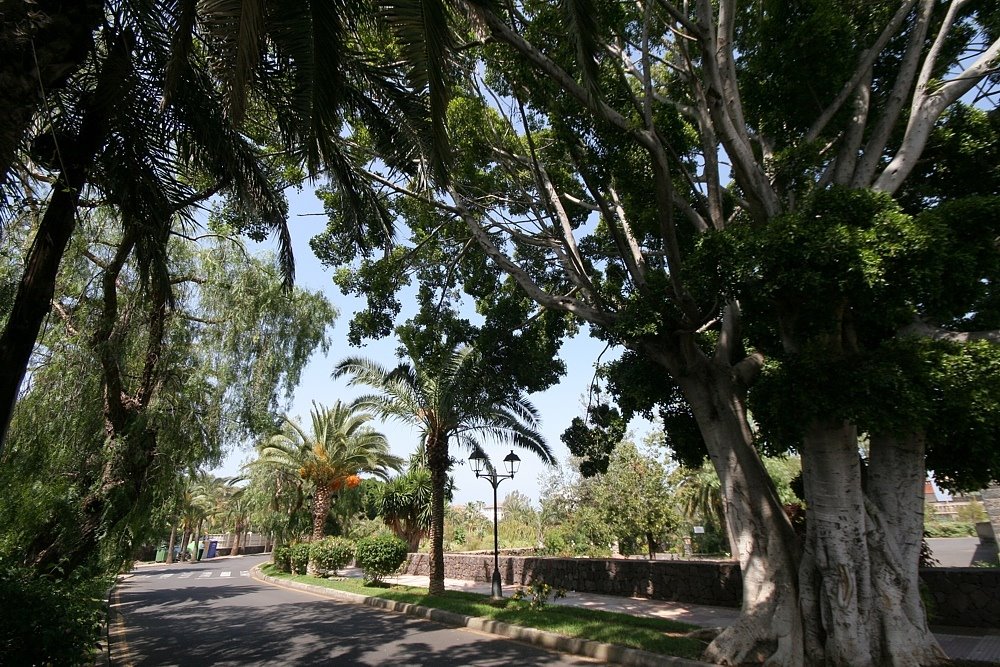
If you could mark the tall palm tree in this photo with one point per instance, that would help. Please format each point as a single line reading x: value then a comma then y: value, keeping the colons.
x: 340, y: 446
x: 404, y: 502
x: 447, y: 398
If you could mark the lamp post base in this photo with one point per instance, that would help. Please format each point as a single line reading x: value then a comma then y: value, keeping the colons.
x: 497, y: 592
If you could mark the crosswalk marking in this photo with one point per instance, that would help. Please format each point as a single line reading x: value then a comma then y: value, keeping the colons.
x: 201, y: 574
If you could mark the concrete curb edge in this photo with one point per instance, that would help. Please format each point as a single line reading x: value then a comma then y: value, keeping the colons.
x: 584, y: 647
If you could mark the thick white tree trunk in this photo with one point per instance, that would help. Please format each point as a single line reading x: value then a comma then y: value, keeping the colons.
x: 858, y: 577
x: 769, y: 629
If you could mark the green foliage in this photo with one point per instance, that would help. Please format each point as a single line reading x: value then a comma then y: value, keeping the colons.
x: 332, y: 553
x: 282, y: 557
x: 379, y: 556
x: 950, y: 529
x: 635, y: 500
x: 973, y: 512
x: 536, y: 595
x: 467, y: 527
x: 298, y: 557
x: 44, y: 621
x: 594, y: 444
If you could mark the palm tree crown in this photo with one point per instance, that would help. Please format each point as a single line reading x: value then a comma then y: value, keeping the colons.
x: 341, y: 445
x: 446, y: 397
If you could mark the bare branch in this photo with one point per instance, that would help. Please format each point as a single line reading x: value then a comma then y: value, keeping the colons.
x: 865, y: 63
x: 929, y: 102
x: 521, y: 277
x: 922, y: 329
x: 875, y: 147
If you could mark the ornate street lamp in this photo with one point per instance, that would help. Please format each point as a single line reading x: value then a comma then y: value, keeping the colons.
x: 482, y: 467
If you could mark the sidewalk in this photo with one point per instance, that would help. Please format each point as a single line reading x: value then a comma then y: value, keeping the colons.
x: 975, y: 644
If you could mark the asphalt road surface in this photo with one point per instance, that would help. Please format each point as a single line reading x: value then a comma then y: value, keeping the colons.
x: 213, y: 613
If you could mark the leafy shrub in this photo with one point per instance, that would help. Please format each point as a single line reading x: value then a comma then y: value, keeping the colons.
x: 537, y: 594
x: 332, y: 553
x: 282, y: 558
x: 47, y: 622
x: 950, y: 529
x: 379, y: 556
x: 299, y: 557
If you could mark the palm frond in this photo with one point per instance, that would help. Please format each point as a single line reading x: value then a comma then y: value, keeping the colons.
x: 424, y: 34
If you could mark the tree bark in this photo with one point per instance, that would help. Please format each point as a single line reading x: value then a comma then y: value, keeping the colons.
x: 860, y: 595
x: 770, y: 627
x: 170, y: 544
x: 437, y: 462
x: 320, y: 509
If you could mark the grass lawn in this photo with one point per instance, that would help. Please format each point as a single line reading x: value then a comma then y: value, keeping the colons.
x: 649, y: 634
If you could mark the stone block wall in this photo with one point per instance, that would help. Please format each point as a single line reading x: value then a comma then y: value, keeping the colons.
x: 712, y: 583
x: 961, y: 597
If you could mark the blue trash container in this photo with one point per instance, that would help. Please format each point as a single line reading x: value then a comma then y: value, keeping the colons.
x: 213, y: 546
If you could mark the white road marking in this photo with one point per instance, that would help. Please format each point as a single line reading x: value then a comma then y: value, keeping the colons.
x: 244, y: 573
x: 204, y: 575
x: 167, y: 575
x: 226, y: 574
x: 186, y: 575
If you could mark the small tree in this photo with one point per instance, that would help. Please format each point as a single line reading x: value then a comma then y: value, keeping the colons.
x: 635, y: 499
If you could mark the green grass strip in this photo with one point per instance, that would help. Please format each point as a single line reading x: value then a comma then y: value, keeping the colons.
x: 656, y: 635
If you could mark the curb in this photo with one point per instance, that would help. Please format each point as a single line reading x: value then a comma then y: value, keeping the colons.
x: 584, y: 647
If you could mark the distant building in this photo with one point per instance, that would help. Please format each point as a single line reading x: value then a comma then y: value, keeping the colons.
x: 947, y: 510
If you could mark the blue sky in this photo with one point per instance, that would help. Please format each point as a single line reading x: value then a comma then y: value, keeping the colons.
x: 557, y: 406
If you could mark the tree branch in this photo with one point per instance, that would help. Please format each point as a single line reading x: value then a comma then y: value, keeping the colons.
x: 524, y: 281
x: 923, y: 329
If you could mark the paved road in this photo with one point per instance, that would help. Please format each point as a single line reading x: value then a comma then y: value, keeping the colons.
x: 961, y: 551
x: 213, y: 613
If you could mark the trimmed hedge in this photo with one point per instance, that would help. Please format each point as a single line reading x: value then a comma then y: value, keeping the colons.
x: 282, y: 558
x: 299, y: 557
x: 332, y: 553
x: 379, y: 555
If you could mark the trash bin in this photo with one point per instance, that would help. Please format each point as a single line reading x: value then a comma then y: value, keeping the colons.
x: 213, y: 546
x: 161, y: 554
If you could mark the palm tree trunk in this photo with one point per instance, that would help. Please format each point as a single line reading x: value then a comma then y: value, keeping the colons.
x: 196, y: 556
x: 170, y: 545
x: 42, y: 44
x: 320, y: 509
x: 184, y: 540
x: 235, y: 551
x: 35, y: 291
x: 437, y: 462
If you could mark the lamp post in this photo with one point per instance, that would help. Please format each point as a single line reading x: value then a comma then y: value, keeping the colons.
x: 481, y: 466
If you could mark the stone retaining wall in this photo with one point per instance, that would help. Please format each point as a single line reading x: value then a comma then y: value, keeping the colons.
x: 714, y: 583
x: 964, y: 597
